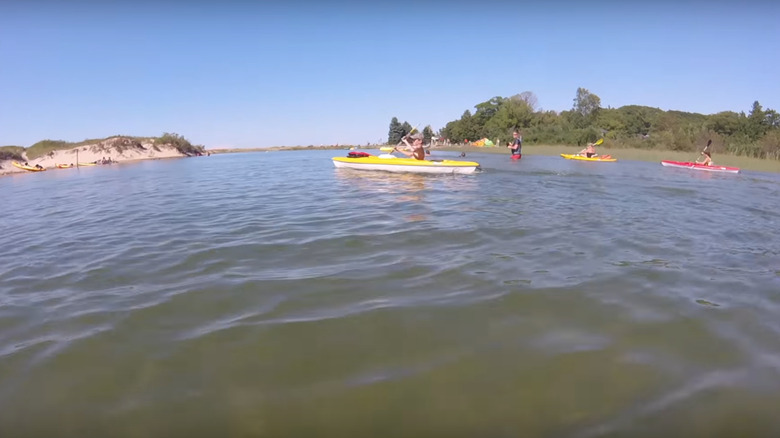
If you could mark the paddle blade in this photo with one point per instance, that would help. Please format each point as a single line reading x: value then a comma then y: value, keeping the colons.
x: 386, y: 149
x: 601, y: 140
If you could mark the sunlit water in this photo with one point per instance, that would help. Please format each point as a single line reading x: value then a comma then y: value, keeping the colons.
x: 270, y: 294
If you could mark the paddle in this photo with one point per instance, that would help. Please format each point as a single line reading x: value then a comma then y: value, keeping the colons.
x: 391, y: 149
x: 407, y: 135
x: 709, y: 142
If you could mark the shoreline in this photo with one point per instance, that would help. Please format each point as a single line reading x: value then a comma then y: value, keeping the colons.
x: 113, y: 150
x: 88, y: 154
x: 622, y: 154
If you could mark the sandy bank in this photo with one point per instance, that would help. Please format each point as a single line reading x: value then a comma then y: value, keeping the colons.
x: 118, y: 149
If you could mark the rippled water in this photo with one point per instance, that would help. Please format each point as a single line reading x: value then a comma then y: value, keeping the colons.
x: 270, y: 294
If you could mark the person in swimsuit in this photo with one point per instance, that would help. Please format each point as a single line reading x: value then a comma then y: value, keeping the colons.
x: 707, y: 161
x: 589, y: 151
x: 417, y: 147
x: 516, y: 145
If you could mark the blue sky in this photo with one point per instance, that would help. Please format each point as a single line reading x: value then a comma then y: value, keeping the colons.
x: 256, y: 74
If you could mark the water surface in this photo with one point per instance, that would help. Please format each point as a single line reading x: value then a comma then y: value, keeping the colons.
x: 270, y: 294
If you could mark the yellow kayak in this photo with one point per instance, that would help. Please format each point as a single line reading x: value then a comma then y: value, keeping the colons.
x: 391, y: 163
x: 30, y: 168
x: 607, y: 158
x: 87, y: 164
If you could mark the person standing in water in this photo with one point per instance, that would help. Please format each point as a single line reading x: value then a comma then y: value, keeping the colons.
x: 516, y: 145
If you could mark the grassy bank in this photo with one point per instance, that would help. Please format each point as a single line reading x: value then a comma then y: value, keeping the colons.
x: 11, y: 153
x: 45, y: 147
x: 650, y: 155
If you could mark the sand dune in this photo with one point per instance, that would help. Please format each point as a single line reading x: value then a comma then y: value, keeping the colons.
x: 117, y: 149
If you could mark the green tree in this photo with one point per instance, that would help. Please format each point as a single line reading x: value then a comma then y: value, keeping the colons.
x: 587, y: 105
x: 406, y: 128
x: 486, y: 110
x: 395, y: 132
x: 724, y: 122
x: 427, y: 134
x: 772, y: 119
x: 462, y: 129
x: 756, y: 122
x: 513, y: 114
x: 529, y: 98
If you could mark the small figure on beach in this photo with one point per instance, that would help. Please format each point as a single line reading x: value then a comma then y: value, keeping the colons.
x: 516, y: 145
x: 38, y: 166
x: 417, y: 147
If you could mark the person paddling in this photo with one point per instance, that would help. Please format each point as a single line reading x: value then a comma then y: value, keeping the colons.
x: 418, y: 152
x: 707, y: 160
x: 589, y: 151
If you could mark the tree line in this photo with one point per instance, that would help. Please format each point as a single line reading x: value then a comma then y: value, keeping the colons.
x: 755, y: 134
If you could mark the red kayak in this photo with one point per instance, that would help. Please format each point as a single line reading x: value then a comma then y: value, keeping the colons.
x: 696, y: 166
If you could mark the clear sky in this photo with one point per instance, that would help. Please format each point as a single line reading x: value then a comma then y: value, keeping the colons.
x: 252, y: 74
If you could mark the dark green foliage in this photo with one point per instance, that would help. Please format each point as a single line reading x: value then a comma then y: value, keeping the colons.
x: 180, y: 143
x: 5, y: 155
x: 756, y: 134
x: 11, y: 153
x: 427, y: 134
x: 397, y: 131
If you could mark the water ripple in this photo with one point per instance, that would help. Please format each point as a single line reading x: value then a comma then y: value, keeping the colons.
x: 270, y: 294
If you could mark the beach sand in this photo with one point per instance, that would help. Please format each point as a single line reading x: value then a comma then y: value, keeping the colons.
x: 115, y: 148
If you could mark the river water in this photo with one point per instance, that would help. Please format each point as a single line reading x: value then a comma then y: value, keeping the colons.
x: 272, y: 295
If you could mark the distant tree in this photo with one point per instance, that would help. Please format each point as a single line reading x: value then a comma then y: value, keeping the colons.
x: 427, y: 134
x: 587, y: 105
x: 756, y: 125
x: 464, y: 128
x: 513, y: 114
x: 487, y: 109
x: 406, y: 128
x: 754, y: 134
x: 394, y: 132
x: 772, y: 119
x: 529, y: 98
x: 724, y: 122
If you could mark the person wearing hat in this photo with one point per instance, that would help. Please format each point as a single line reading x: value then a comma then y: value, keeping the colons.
x: 417, y: 147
